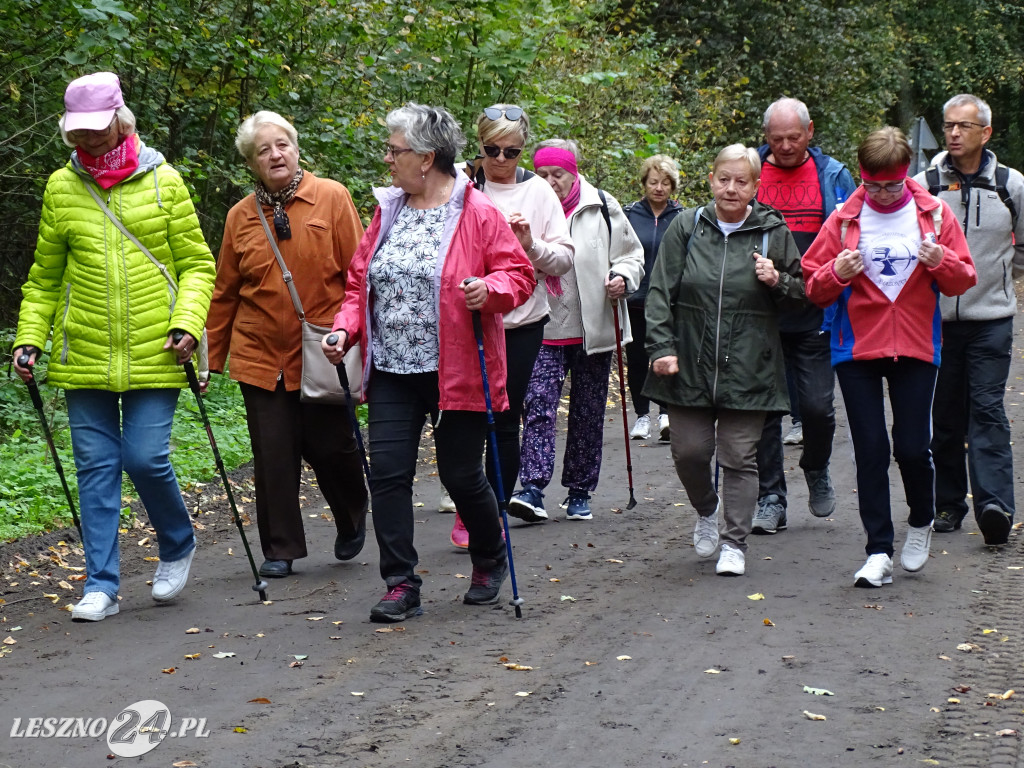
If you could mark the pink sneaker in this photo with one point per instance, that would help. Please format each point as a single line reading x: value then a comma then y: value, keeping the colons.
x: 460, y: 536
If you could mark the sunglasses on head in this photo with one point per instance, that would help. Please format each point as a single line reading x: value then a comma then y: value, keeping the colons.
x: 511, y: 153
x: 512, y: 113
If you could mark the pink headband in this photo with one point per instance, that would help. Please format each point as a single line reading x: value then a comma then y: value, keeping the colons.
x: 562, y: 158
x: 892, y: 173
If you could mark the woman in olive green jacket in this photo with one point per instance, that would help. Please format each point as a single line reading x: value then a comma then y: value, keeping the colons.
x: 723, y: 271
x: 114, y: 314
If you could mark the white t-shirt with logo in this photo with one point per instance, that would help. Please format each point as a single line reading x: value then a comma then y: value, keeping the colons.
x: 889, y: 243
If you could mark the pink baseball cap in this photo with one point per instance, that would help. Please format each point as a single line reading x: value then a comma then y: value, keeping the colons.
x: 91, y: 101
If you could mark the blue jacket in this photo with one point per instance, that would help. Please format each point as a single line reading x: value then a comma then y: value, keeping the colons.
x: 650, y: 229
x: 836, y: 187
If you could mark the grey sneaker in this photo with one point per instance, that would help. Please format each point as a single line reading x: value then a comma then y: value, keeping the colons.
x: 821, y: 496
x: 770, y: 516
x: 795, y: 436
x: 705, y: 534
x: 915, y: 550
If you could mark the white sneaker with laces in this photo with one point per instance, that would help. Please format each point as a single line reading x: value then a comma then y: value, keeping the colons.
x: 731, y: 561
x: 446, y: 505
x: 705, y: 534
x: 641, y: 428
x: 170, y: 577
x: 915, y: 550
x: 663, y: 429
x: 94, y: 606
x: 875, y: 572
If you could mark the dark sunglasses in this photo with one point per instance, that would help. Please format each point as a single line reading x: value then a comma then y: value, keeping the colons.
x: 511, y: 153
x: 512, y: 113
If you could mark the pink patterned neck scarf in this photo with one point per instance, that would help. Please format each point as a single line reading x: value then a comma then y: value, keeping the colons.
x: 116, y: 165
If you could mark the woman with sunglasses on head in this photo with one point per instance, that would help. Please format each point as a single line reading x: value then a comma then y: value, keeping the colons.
x: 436, y: 253
x: 884, y: 258
x: 534, y: 213
x: 115, y: 319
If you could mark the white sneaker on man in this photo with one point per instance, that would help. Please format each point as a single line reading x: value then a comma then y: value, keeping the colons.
x: 705, y: 535
x: 641, y: 428
x: 731, y: 561
x: 663, y: 430
x: 94, y: 606
x: 915, y: 549
x: 170, y: 577
x: 446, y: 504
x: 875, y: 572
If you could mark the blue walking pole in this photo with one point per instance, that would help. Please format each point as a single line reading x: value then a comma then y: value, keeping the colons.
x: 478, y: 332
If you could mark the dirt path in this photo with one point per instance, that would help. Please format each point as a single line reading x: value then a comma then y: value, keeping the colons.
x: 705, y: 666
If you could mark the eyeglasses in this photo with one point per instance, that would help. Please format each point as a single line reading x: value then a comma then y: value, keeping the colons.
x: 892, y: 187
x: 83, y: 133
x: 511, y: 153
x: 512, y: 113
x: 963, y: 125
x: 396, y: 151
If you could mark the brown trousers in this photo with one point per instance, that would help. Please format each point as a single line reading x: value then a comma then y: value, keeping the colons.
x: 284, y: 431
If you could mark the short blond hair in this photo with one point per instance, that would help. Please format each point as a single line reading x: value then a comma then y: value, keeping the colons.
x: 884, y: 149
x: 489, y: 131
x: 739, y: 152
x: 664, y: 165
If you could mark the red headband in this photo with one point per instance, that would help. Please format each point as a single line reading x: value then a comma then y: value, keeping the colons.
x: 562, y: 158
x: 892, y: 173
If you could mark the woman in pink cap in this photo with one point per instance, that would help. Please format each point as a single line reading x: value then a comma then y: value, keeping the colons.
x: 121, y: 268
x: 883, y: 259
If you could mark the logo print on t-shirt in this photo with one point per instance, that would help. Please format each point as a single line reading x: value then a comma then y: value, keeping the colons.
x: 890, y: 260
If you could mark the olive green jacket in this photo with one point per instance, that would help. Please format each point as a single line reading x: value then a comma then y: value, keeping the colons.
x: 707, y: 307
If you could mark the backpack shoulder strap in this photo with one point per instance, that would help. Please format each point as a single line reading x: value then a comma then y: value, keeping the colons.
x: 604, y: 212
x: 1002, y: 179
x: 932, y: 177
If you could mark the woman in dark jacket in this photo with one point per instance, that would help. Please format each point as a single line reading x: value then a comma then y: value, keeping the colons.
x: 649, y: 216
x: 712, y: 332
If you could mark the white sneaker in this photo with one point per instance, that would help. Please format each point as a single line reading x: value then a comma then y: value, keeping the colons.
x: 705, y: 535
x: 94, y: 606
x: 170, y: 578
x: 795, y: 436
x: 641, y: 428
x: 915, y: 550
x: 875, y: 572
x: 731, y: 561
x: 446, y: 505
x: 663, y: 428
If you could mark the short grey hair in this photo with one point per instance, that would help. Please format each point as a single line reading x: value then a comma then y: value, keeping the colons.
x: 739, y: 152
x: 245, y: 139
x: 567, y: 144
x: 787, y: 104
x: 125, y: 124
x: 429, y: 129
x: 970, y: 100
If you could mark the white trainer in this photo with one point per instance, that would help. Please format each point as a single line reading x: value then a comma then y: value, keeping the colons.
x: 94, y: 606
x: 664, y: 434
x: 875, y: 572
x: 170, y: 577
x: 915, y: 550
x: 731, y: 561
x: 705, y: 535
x: 641, y: 428
x: 446, y: 504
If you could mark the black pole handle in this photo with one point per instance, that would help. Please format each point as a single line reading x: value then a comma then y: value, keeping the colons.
x: 342, y: 373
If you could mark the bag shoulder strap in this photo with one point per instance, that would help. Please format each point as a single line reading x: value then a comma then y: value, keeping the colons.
x: 135, y: 241
x: 604, y: 212
x: 280, y: 261
x: 932, y: 177
x: 1002, y: 179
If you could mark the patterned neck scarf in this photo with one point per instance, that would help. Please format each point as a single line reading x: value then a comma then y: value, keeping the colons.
x: 114, y: 166
x: 278, y: 200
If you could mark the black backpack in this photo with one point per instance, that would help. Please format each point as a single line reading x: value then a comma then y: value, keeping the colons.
x: 1002, y: 177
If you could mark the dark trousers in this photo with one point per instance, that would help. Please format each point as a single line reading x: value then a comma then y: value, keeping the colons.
x: 398, y: 407
x: 809, y: 358
x: 637, y: 361
x: 911, y: 389
x: 969, y: 408
x: 284, y: 431
x: 521, y: 347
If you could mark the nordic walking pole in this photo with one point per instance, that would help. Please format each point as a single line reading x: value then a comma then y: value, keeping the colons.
x: 37, y: 401
x: 343, y: 379
x: 622, y: 397
x: 193, y: 384
x: 478, y: 332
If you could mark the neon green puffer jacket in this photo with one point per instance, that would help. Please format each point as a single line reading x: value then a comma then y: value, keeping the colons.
x: 110, y: 307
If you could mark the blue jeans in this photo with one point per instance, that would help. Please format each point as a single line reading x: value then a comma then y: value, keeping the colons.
x: 969, y: 408
x: 911, y: 389
x: 115, y: 432
x: 809, y: 358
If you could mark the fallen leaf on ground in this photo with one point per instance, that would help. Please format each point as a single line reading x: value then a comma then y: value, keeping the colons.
x: 944, y: 657
x: 554, y: 581
x: 169, y: 671
x: 518, y: 667
x: 143, y: 542
x: 1003, y: 696
x: 358, y: 693
x: 567, y: 598
x: 523, y: 693
x: 461, y: 576
x: 952, y: 700
x: 988, y: 631
x: 296, y: 664
x: 812, y: 716
x: 53, y: 598
x: 624, y: 658
x: 314, y: 618
x: 240, y: 729
x: 64, y: 585
x: 968, y: 647
x: 184, y: 764
x: 613, y: 560
x: 192, y: 656
x: 300, y: 656
x: 259, y: 700
x: 1006, y: 732
x: 336, y: 623
x: 934, y: 709
x: 769, y: 623
x: 192, y: 631
x: 335, y: 637
x: 876, y: 607
x: 590, y: 663
x: 755, y: 596
x: 734, y: 741
x: 818, y: 691
x: 712, y: 671
x: 223, y: 655
x: 151, y: 559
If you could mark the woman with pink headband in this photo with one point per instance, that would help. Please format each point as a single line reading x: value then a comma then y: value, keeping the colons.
x: 883, y: 259
x: 579, y: 339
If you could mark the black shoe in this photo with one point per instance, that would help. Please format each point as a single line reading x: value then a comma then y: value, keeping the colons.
x: 995, y: 525
x: 276, y: 569
x: 401, y: 602
x: 347, y: 547
x: 487, y: 583
x: 947, y: 520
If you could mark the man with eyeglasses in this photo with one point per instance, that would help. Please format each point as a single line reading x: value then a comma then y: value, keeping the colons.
x: 977, y: 327
x: 806, y: 186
